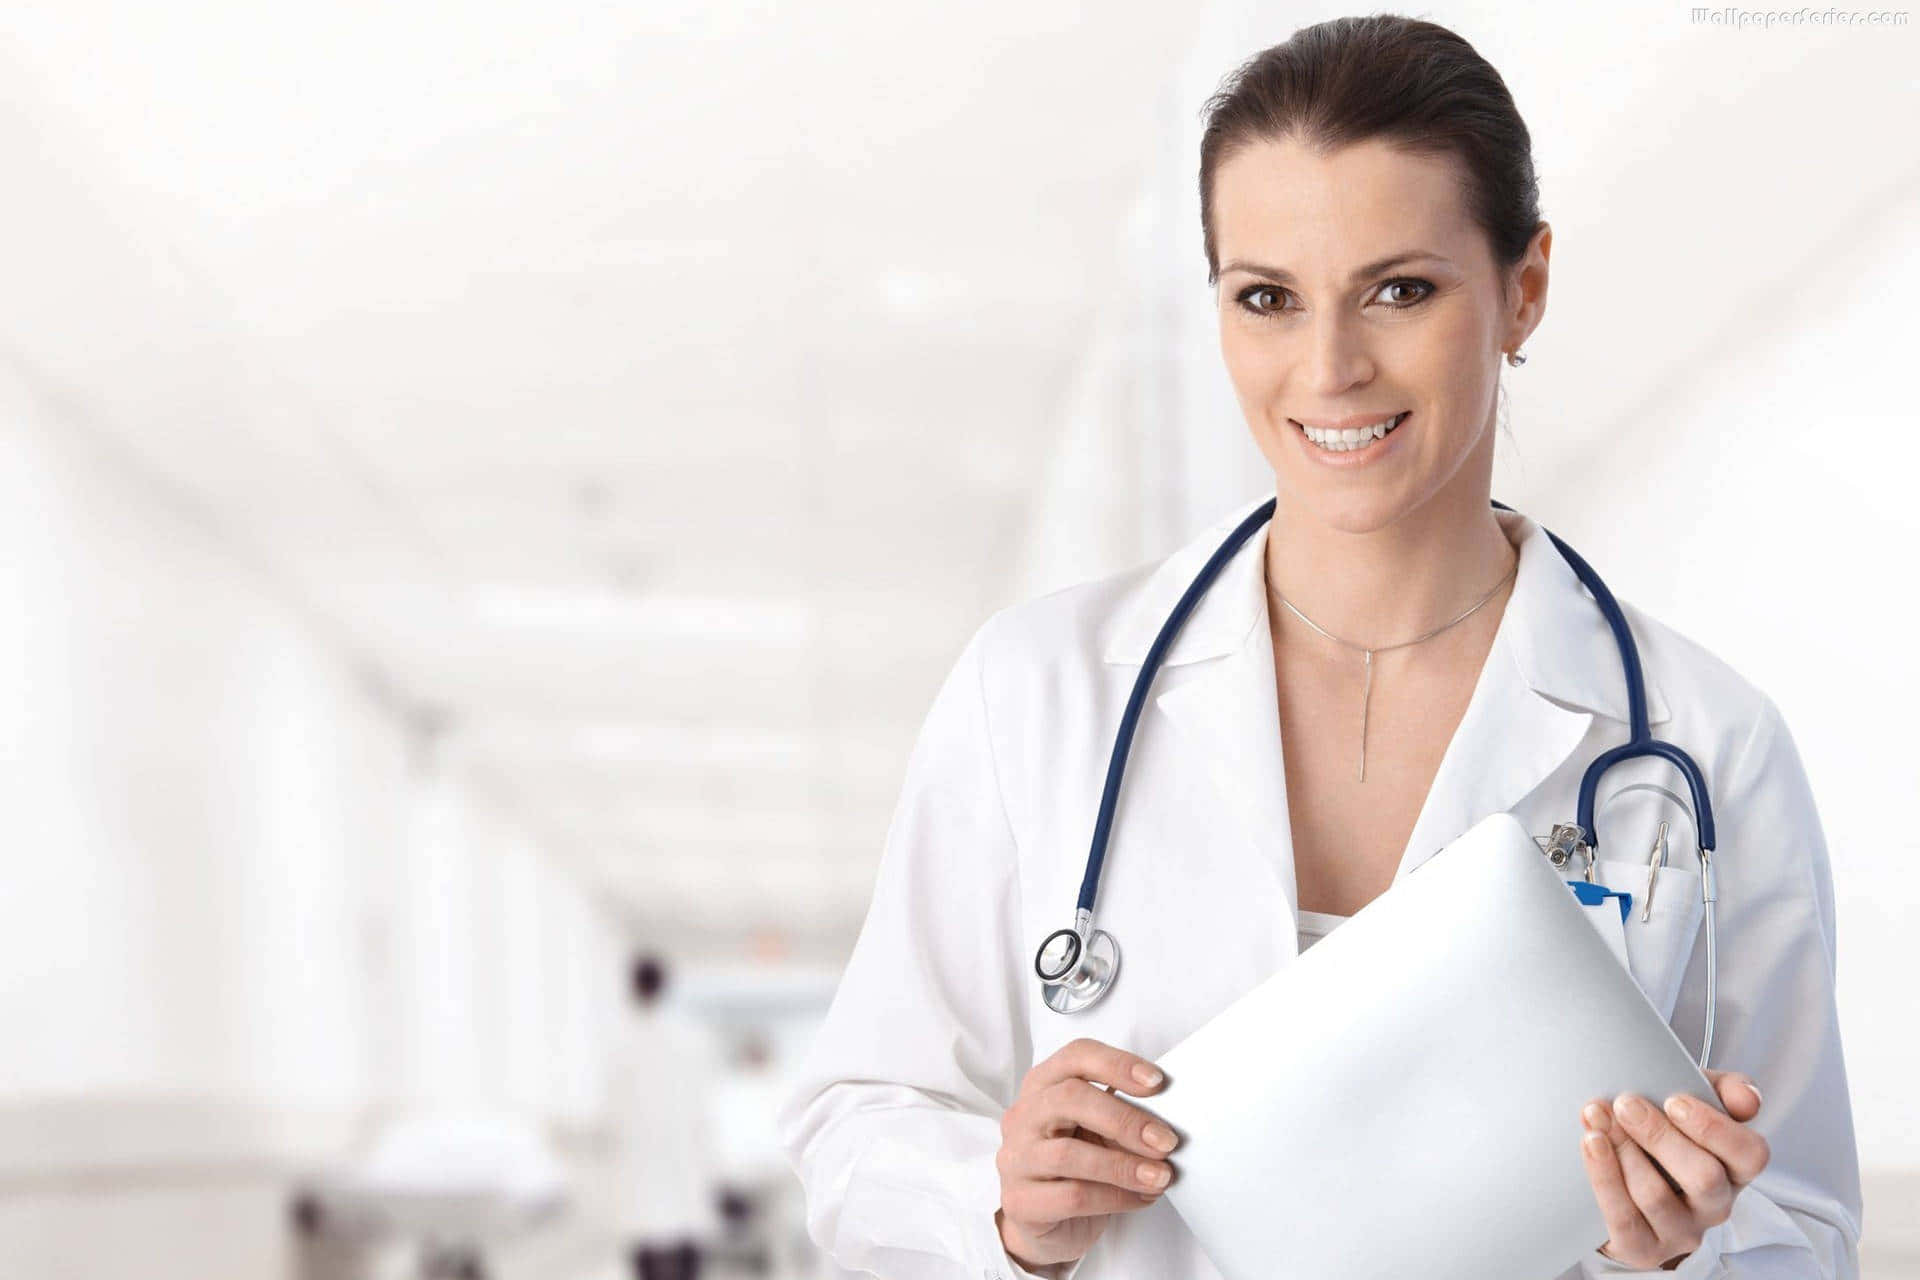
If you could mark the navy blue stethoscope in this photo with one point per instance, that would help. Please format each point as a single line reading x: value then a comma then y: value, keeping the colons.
x: 1077, y: 966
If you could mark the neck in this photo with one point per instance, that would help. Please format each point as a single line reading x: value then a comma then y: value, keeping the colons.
x: 1390, y: 584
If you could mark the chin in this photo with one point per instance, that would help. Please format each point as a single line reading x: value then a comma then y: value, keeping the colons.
x: 1360, y: 511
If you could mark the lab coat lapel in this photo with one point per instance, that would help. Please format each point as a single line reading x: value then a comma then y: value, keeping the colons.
x: 1553, y: 665
x: 1226, y: 714
x: 1217, y: 696
x: 1508, y: 742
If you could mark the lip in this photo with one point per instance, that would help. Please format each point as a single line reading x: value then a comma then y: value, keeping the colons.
x: 1356, y: 420
x: 1351, y: 457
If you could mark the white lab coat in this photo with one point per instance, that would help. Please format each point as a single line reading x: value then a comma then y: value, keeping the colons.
x: 895, y: 1123
x: 660, y: 1096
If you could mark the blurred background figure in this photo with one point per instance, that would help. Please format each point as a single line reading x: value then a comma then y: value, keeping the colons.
x: 664, y: 1192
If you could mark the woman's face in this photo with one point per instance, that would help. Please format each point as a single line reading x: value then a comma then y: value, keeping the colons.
x: 1319, y: 330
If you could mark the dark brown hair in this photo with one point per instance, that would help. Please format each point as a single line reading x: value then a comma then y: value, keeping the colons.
x: 1402, y: 80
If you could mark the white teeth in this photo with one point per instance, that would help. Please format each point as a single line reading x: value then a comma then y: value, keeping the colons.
x: 1351, y: 437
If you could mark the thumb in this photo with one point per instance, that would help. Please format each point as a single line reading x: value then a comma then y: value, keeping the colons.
x: 1738, y: 1093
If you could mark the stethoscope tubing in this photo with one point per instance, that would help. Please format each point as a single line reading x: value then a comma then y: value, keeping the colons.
x: 1640, y: 739
x: 1088, y: 984
x: 1149, y: 667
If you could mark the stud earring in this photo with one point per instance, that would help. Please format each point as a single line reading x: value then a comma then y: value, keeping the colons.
x: 1516, y: 357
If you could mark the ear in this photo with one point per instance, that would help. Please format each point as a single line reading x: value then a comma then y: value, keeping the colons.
x: 1528, y: 293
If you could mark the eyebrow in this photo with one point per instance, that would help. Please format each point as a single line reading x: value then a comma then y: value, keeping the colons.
x: 1359, y: 274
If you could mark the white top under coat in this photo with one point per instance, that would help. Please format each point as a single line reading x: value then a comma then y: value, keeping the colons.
x: 1315, y: 925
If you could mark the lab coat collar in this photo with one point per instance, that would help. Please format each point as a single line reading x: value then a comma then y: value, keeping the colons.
x: 1559, y: 639
x: 1551, y: 669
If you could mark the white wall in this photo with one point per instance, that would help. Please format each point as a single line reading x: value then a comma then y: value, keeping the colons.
x: 189, y: 829
x: 248, y: 911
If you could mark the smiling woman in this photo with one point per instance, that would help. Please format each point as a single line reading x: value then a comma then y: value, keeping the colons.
x: 1373, y: 234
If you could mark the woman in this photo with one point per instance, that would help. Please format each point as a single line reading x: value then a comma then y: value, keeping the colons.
x: 1371, y: 225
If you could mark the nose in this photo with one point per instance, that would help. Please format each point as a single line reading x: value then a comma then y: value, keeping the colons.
x: 1337, y: 356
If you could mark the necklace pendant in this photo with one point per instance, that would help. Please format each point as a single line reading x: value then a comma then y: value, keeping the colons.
x: 1366, y: 693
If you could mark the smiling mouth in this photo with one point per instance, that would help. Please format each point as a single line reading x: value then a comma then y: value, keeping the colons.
x: 1352, y: 438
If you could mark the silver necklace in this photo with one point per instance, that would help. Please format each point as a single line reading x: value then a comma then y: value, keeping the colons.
x: 1367, y: 689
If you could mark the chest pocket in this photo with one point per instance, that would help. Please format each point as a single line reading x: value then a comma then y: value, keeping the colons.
x: 1628, y: 818
x: 1658, y: 947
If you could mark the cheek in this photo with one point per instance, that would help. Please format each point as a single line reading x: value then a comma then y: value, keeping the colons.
x: 1241, y: 356
x: 1450, y: 373
x: 1257, y: 368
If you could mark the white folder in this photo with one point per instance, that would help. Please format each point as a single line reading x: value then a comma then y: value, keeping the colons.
x: 1404, y: 1098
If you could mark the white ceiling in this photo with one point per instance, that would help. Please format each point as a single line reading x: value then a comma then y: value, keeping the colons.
x: 660, y: 392
x: 564, y: 361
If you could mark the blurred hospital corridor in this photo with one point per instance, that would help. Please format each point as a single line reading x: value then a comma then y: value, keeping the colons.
x: 489, y: 491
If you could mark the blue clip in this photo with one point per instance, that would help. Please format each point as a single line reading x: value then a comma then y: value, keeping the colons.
x: 1592, y: 895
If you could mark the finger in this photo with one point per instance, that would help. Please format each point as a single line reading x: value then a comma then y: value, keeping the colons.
x: 1738, y: 1093
x: 1050, y: 1200
x: 1071, y: 1158
x: 1697, y: 1172
x: 1668, y: 1215
x: 1637, y: 1121
x: 1621, y: 1139
x: 1628, y: 1233
x: 1089, y: 1059
x: 1740, y: 1151
x: 1076, y: 1102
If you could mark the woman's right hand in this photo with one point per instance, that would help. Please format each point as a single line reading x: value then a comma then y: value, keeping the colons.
x: 1072, y: 1155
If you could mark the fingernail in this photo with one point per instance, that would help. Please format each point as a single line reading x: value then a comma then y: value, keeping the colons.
x: 1756, y: 1092
x: 1630, y: 1108
x: 1596, y: 1117
x: 1148, y: 1076
x: 1679, y: 1108
x: 1153, y: 1177
x: 1160, y: 1139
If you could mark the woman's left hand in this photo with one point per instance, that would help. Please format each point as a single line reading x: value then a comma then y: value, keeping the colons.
x: 1661, y: 1179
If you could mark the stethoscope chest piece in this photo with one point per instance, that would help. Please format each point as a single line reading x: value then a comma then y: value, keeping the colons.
x: 1075, y: 974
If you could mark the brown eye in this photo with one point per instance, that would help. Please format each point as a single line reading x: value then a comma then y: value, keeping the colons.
x: 1422, y: 285
x: 1256, y: 291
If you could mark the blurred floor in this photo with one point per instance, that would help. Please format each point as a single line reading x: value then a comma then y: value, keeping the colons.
x: 1890, y: 1248
x: 143, y: 1228
x: 1891, y: 1251
x: 239, y: 1233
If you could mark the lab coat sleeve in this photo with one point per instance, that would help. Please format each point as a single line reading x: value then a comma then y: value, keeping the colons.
x: 1778, y: 1023
x: 894, y: 1124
